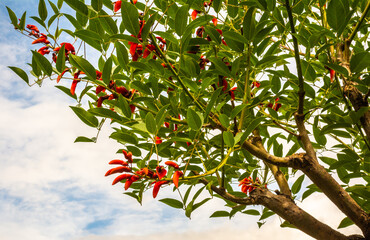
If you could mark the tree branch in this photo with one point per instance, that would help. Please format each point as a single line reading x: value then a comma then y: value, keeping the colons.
x: 301, y: 91
x: 288, y: 210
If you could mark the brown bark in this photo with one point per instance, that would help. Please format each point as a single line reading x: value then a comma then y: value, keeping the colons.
x: 288, y: 210
x: 358, y: 100
x: 337, y: 194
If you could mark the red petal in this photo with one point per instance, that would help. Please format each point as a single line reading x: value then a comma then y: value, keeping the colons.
x: 146, y: 53
x: 61, y: 75
x: 117, y: 161
x: 214, y: 20
x: 132, y: 107
x: 219, y: 31
x: 156, y: 187
x: 194, y: 14
x: 99, y: 89
x: 134, y: 1
x: 172, y: 164
x: 129, y: 157
x: 158, y: 140
x: 73, y: 87
x: 121, y: 177
x: 117, y: 6
x: 176, y: 177
x: 118, y: 170
x: 133, y: 49
x: 332, y: 75
x: 161, y: 172
x: 167, y: 125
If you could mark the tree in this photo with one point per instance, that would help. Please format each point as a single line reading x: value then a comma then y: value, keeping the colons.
x: 221, y: 94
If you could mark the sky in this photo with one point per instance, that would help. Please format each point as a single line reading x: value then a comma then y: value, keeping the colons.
x: 52, y: 188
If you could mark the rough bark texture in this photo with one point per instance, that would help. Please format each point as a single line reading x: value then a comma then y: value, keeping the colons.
x: 337, y: 195
x: 287, y: 209
x: 358, y: 100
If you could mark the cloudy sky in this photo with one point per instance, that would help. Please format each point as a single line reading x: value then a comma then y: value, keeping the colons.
x: 52, y: 188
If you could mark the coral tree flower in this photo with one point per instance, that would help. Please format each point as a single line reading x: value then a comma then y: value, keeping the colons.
x: 332, y: 75
x: 158, y: 140
x: 157, y: 186
x: 44, y: 50
x: 117, y: 6
x: 194, y: 14
x: 176, y: 177
x: 172, y: 164
x: 161, y: 172
x: 247, y: 185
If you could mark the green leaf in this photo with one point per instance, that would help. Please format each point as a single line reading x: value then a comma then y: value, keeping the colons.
x: 249, y: 24
x: 83, y: 65
x: 224, y: 119
x: 43, y: 63
x: 345, y: 223
x: 220, y: 214
x: 148, y: 25
x: 66, y: 91
x: 297, y: 185
x: 336, y: 12
x: 22, y: 22
x: 43, y: 11
x: 103, y: 112
x: 85, y: 33
x: 250, y: 128
x: 237, y: 110
x: 84, y: 139
x: 161, y: 115
x: 360, y: 61
x: 150, y: 123
x: 78, y: 6
x: 124, y: 106
x: 61, y: 59
x: 141, y: 66
x: 22, y: 74
x: 72, y: 20
x: 85, y: 116
x: 212, y: 102
x: 141, y: 87
x: 252, y: 212
x: 229, y: 139
x: 220, y: 67
x: 122, y: 55
x: 130, y: 18
x: 13, y: 17
x: 172, y: 202
x: 107, y: 22
x: 194, y: 121
x: 60, y: 3
x: 217, y: 5
x: 213, y: 34
x: 266, y: 215
x: 275, y: 84
x: 337, y: 68
x: 124, y: 137
x: 97, y: 4
x: 107, y: 70
x: 181, y: 19
x: 232, y: 8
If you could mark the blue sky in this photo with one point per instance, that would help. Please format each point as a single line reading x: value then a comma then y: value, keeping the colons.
x: 51, y: 188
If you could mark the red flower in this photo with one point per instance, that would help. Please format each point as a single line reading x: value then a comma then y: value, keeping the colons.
x: 332, y: 74
x: 247, y: 185
x: 176, y: 177
x: 157, y: 186
x: 134, y: 1
x: 219, y: 31
x: 42, y: 39
x: 61, y: 75
x: 172, y: 164
x: 32, y: 28
x: 214, y: 20
x: 117, y: 161
x: 99, y: 89
x: 194, y: 14
x: 231, y: 92
x: 132, y: 107
x: 44, y: 50
x: 158, y: 140
x: 167, y: 125
x: 256, y: 84
x: 130, y: 180
x: 121, y: 177
x: 161, y: 172
x: 117, y: 6
x: 200, y: 32
x: 118, y: 170
x: 128, y: 155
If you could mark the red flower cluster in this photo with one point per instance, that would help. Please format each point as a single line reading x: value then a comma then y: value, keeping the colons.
x: 276, y: 105
x: 248, y: 185
x: 130, y: 176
